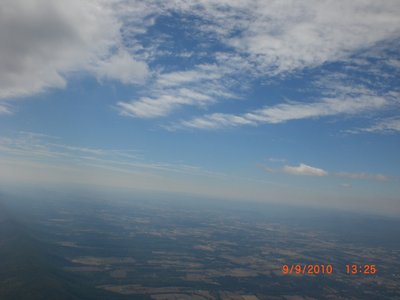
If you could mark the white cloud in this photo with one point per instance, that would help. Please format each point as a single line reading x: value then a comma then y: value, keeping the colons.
x: 284, y: 112
x: 162, y: 105
x: 303, y: 169
x: 327, y: 107
x: 199, y: 86
x: 285, y: 35
x: 122, y: 67
x: 200, y: 74
x: 390, y: 125
x: 45, y: 40
x: 267, y: 39
x: 289, y: 35
x: 42, y: 41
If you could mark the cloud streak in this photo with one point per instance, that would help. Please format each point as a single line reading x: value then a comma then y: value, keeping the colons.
x: 46, y: 149
x: 303, y: 169
x: 285, y: 112
x: 162, y: 105
x: 307, y: 170
x: 200, y: 86
x: 389, y: 125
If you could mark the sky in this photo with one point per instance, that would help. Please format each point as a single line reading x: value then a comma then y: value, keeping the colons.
x: 293, y: 102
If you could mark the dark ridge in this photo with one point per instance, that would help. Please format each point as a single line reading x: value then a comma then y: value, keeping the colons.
x: 28, y: 270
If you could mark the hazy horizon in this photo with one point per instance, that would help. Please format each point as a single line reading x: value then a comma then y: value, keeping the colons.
x: 281, y: 102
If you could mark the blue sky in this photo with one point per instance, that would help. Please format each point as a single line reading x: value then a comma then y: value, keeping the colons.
x: 277, y: 101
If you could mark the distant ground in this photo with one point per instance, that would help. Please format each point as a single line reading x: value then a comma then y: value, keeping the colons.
x: 100, y: 246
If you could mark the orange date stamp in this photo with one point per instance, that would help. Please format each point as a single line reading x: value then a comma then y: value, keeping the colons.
x: 363, y: 269
x: 307, y: 269
x: 328, y: 269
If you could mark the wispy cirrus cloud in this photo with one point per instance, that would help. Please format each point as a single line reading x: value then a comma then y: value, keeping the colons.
x: 287, y: 35
x: 389, y: 125
x: 40, y: 148
x: 290, y: 35
x: 162, y: 105
x: 285, y: 112
x: 259, y: 40
x: 200, y: 86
